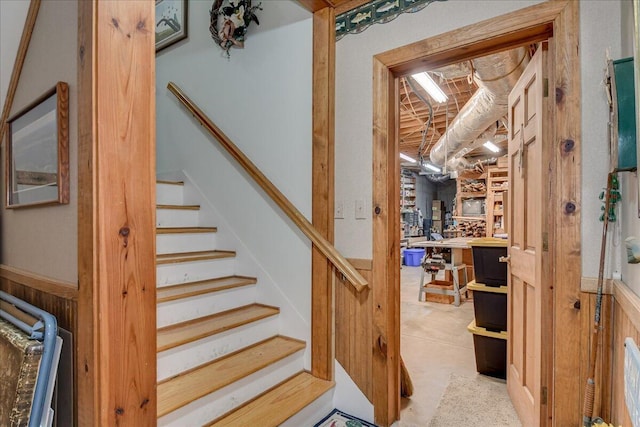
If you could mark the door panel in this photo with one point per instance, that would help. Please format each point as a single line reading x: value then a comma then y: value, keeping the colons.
x: 526, y: 196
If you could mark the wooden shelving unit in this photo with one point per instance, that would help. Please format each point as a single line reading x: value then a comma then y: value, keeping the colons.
x: 470, y: 226
x: 408, y: 223
x: 497, y: 185
x: 407, y: 192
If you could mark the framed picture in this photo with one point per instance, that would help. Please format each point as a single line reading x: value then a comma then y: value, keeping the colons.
x: 171, y: 22
x: 37, y: 151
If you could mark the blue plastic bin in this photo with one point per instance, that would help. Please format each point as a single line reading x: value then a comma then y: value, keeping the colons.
x: 412, y: 257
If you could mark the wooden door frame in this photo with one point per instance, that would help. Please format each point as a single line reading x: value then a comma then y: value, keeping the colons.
x: 536, y: 23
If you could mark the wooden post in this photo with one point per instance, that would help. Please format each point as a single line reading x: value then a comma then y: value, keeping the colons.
x: 116, y: 360
x: 322, y: 348
x: 386, y: 228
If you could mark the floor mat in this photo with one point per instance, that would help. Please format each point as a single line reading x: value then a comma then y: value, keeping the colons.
x: 473, y: 401
x: 339, y: 419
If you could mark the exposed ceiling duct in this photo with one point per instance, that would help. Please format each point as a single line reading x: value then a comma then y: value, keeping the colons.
x: 457, y: 160
x: 496, y: 75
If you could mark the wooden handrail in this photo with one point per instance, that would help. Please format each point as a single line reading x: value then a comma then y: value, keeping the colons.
x: 323, y: 245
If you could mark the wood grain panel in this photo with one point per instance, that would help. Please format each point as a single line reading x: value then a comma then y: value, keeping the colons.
x: 50, y: 295
x: 564, y: 209
x: 86, y: 345
x: 626, y: 323
x: 60, y: 302
x: 116, y: 214
x: 322, y: 351
x: 386, y: 251
x: 353, y: 331
x: 602, y: 401
x: 474, y: 40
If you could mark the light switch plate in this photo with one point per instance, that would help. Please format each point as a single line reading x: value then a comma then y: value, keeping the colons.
x: 339, y: 210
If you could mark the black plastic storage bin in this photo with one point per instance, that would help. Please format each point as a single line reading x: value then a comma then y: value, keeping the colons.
x: 489, y: 306
x: 491, y: 351
x: 486, y: 261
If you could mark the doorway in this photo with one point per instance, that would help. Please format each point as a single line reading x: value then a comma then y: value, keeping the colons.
x: 553, y: 21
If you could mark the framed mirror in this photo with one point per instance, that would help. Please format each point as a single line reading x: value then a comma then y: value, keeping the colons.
x: 37, y: 151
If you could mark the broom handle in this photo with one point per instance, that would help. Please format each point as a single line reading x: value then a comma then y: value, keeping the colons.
x: 589, y: 395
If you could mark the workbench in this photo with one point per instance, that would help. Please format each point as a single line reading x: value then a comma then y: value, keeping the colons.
x: 460, y: 251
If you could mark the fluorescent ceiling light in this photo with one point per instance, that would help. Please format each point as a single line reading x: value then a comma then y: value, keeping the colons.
x: 430, y: 86
x: 491, y: 146
x: 407, y: 158
x: 432, y: 167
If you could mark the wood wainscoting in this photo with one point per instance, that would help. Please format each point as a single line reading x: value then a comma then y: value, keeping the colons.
x: 602, y: 400
x: 626, y: 323
x: 353, y: 328
x: 54, y: 296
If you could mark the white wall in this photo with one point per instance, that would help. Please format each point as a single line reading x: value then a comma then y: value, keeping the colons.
x: 596, y: 18
x: 600, y: 24
x: 43, y: 240
x: 12, y: 17
x: 354, y: 109
x: 264, y: 105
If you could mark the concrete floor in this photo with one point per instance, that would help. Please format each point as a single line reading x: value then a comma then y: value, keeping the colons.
x: 434, y: 344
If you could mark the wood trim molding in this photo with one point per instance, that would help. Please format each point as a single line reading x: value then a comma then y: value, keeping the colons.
x: 86, y: 342
x: 44, y: 284
x: 347, y: 5
x: 361, y: 263
x: 629, y: 301
x: 314, y: 6
x: 590, y: 285
x: 559, y: 19
x: 30, y: 22
x: 386, y: 257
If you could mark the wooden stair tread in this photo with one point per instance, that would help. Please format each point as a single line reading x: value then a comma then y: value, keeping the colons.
x: 192, y: 330
x: 190, y: 289
x: 185, y: 230
x: 193, y: 256
x: 188, y: 386
x: 179, y: 207
x: 164, y: 181
x: 278, y: 404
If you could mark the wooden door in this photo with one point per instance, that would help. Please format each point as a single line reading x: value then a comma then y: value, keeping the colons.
x: 527, y: 224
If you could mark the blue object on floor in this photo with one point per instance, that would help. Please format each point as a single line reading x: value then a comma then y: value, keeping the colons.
x: 338, y: 418
x: 412, y: 257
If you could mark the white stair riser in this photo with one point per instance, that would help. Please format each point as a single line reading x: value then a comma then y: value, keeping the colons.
x: 169, y: 194
x: 312, y: 413
x: 181, y: 272
x: 209, y: 407
x: 185, y: 242
x: 177, y: 218
x: 176, y: 360
x: 171, y: 312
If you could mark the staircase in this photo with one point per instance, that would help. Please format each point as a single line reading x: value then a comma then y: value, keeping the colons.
x: 221, y: 358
